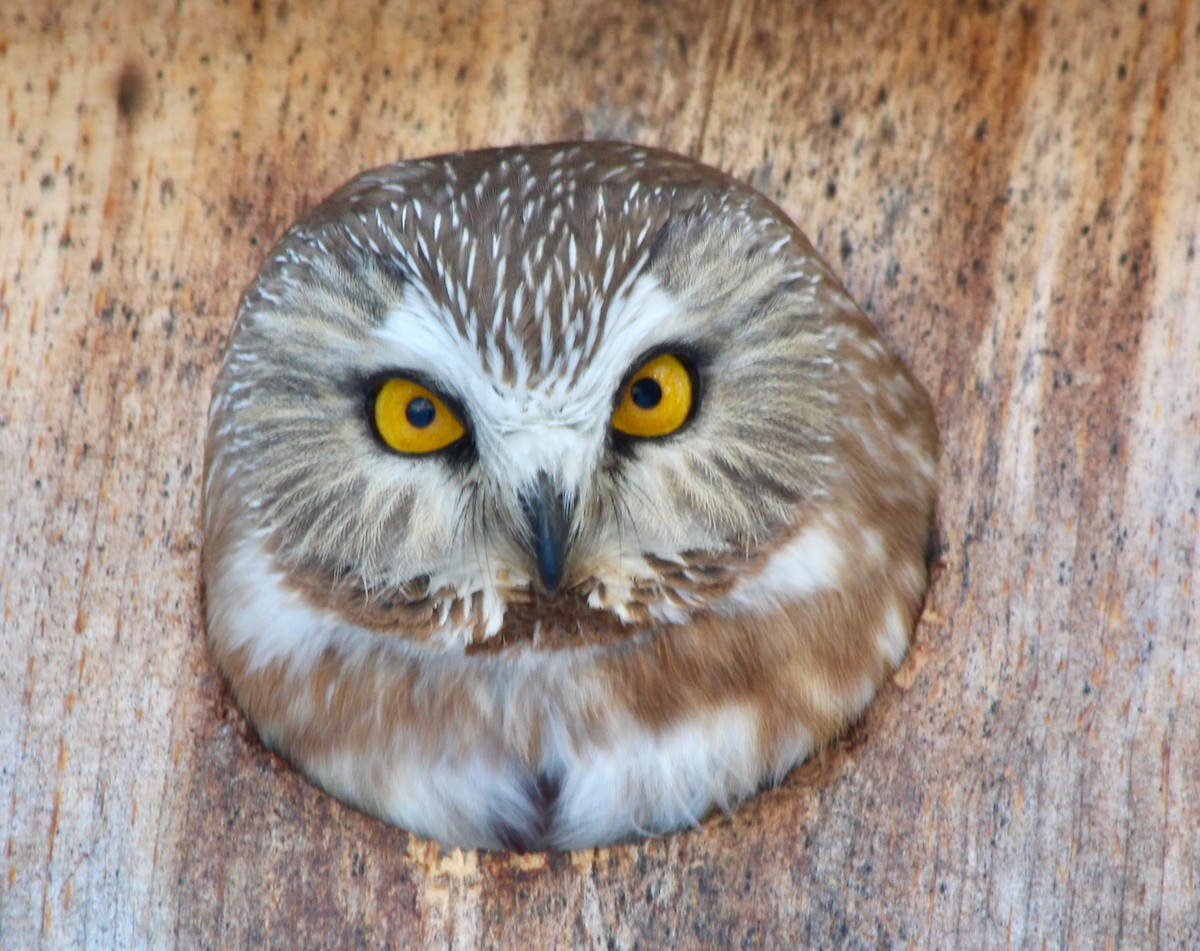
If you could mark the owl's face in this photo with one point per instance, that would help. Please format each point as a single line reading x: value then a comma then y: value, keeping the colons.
x: 557, y: 495
x: 471, y: 398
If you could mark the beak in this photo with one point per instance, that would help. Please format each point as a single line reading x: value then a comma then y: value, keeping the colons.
x: 549, y: 527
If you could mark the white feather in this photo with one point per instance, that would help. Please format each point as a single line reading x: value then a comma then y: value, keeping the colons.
x: 814, y: 561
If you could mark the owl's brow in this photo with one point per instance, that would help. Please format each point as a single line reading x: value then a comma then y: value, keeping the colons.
x: 555, y: 266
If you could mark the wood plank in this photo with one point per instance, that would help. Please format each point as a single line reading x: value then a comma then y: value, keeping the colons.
x: 1013, y: 193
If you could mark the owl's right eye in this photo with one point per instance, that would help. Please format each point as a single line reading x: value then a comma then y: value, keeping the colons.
x: 412, y: 419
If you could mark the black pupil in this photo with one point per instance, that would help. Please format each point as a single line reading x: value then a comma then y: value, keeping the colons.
x: 420, y: 412
x: 646, y: 393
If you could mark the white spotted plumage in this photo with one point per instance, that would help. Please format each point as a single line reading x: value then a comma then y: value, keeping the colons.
x: 732, y: 593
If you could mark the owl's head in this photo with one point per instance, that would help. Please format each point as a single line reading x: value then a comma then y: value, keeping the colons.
x: 591, y: 379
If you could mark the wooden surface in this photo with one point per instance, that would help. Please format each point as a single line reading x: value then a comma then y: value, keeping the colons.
x: 1012, y: 191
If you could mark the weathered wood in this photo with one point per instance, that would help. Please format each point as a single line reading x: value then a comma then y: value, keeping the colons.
x: 1012, y: 191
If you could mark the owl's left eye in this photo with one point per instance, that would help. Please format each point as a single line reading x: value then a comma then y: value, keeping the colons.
x: 657, y: 398
x: 412, y: 419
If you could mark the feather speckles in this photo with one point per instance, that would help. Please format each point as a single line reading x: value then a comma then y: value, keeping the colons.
x: 732, y: 591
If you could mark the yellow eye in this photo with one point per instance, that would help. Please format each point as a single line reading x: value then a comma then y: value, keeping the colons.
x: 657, y: 399
x: 412, y: 419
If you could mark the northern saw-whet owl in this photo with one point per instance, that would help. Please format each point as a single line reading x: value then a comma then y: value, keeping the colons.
x: 555, y: 496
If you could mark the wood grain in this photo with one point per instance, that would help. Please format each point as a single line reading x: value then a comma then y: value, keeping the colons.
x: 1013, y: 193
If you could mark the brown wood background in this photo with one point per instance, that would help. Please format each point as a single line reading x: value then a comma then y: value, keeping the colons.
x: 1012, y: 190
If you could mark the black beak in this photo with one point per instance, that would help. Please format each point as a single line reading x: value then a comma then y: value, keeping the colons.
x: 549, y: 526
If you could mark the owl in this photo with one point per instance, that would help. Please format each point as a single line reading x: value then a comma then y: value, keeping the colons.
x: 557, y: 496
